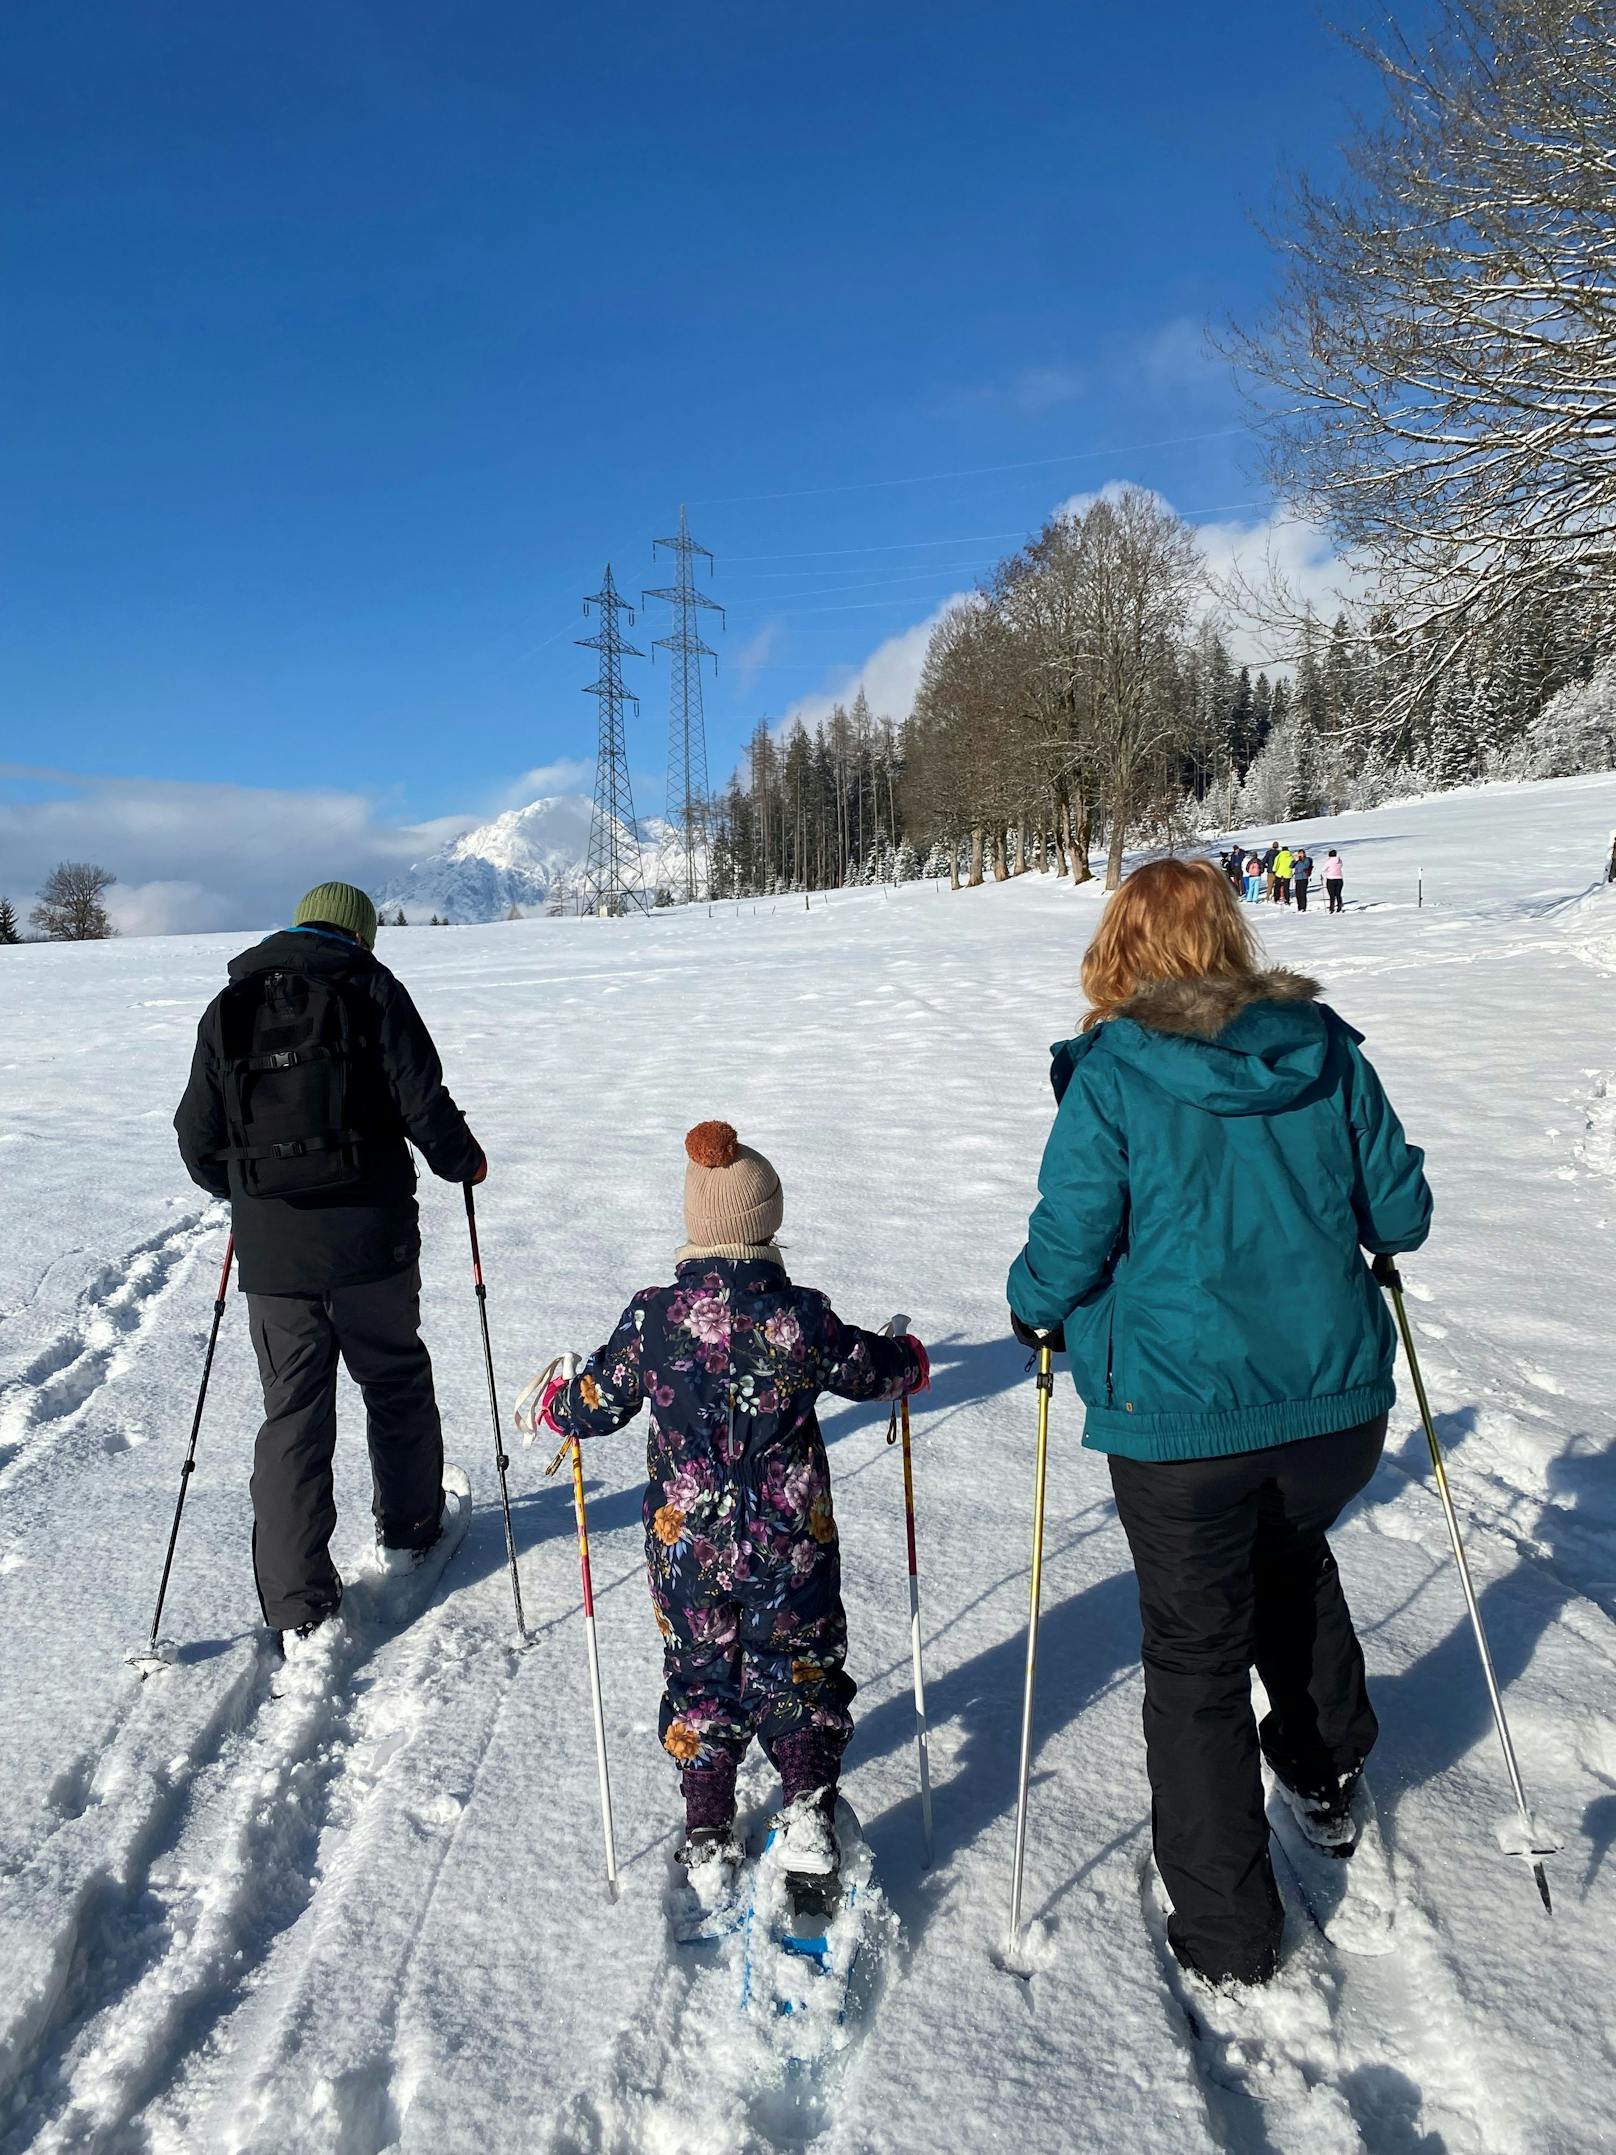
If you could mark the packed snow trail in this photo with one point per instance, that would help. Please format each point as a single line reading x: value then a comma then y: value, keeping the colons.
x: 373, y: 1919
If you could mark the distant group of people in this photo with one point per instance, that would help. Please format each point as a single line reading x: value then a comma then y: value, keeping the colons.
x: 1283, y: 875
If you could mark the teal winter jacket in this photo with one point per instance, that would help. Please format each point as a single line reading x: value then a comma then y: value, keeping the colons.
x: 1222, y: 1155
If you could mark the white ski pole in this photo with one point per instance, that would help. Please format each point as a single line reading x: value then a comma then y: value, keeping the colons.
x: 596, y: 1703
x: 1385, y: 1270
x: 922, y: 1731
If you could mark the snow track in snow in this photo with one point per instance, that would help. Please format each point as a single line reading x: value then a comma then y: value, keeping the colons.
x: 182, y: 1877
x: 116, y: 1312
x: 1343, y: 2053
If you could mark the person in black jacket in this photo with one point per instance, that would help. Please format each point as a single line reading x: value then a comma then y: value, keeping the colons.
x: 330, y: 1269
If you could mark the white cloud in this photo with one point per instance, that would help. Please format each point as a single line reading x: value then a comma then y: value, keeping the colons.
x: 1041, y: 389
x: 1283, y: 556
x: 1029, y: 391
x: 1179, y: 357
x: 754, y: 655
x: 570, y: 775
x: 889, y: 676
x: 172, y: 908
x: 1236, y: 553
x: 191, y: 857
x: 1257, y: 570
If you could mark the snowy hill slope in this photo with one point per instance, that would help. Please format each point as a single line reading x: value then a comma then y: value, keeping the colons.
x: 517, y: 860
x: 372, y: 1918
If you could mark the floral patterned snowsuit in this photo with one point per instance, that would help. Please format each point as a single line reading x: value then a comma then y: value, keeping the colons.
x: 740, y: 1537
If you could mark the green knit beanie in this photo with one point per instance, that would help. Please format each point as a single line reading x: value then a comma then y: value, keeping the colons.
x: 339, y: 905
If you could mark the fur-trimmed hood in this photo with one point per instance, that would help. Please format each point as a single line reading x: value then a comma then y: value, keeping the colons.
x: 1206, y: 1008
x: 1253, y: 1045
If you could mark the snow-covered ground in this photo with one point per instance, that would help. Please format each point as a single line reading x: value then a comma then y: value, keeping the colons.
x: 369, y: 1916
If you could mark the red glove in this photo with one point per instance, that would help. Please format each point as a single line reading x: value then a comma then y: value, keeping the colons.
x: 923, y: 1382
x: 552, y: 1392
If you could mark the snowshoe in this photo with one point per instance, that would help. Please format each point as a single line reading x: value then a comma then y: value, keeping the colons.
x: 295, y: 1643
x: 1326, y: 1814
x: 395, y: 1582
x: 810, y: 1975
x: 1354, y: 1905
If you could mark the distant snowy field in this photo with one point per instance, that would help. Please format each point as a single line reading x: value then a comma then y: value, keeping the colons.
x: 374, y: 1919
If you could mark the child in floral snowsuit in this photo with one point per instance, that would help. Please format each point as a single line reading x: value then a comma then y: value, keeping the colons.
x: 740, y: 1537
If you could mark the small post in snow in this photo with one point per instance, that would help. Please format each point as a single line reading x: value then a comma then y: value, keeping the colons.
x: 1419, y: 903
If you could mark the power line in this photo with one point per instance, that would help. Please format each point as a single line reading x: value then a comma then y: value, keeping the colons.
x: 891, y: 546
x: 979, y: 471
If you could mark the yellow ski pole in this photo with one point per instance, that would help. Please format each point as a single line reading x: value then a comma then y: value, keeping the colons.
x: 1046, y: 1385
x: 1386, y: 1272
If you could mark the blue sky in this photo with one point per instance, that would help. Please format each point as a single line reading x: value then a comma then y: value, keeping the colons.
x: 347, y: 341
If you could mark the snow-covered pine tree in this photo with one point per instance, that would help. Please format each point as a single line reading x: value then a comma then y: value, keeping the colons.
x: 8, y: 922
x: 1273, y: 782
x: 1452, y: 756
x: 1575, y: 731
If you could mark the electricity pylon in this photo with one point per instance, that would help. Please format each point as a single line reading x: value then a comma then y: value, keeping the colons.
x: 613, y: 832
x: 687, y: 725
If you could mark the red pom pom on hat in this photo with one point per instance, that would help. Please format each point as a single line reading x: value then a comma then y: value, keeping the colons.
x: 713, y: 1144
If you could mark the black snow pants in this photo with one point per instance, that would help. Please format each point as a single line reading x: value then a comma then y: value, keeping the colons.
x: 1300, y: 889
x: 1332, y: 889
x: 1235, y: 1572
x: 375, y: 1328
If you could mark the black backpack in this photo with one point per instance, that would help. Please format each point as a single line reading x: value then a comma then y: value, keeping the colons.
x: 287, y: 1063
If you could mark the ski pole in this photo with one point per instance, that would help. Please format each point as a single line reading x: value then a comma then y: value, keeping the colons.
x: 1046, y: 1386
x: 572, y: 1444
x: 501, y: 1457
x: 922, y: 1734
x: 150, y: 1658
x: 1386, y: 1272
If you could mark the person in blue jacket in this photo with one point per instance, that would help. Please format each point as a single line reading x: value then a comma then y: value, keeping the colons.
x: 1222, y: 1156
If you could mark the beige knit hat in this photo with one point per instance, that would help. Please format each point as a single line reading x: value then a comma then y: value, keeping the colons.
x: 733, y: 1198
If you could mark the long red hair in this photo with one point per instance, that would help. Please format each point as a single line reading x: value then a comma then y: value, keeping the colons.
x: 1171, y: 920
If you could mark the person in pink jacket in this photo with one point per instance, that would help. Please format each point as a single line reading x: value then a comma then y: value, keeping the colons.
x: 1335, y: 875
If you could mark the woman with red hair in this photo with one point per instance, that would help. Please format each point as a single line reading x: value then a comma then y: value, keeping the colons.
x: 1222, y: 1156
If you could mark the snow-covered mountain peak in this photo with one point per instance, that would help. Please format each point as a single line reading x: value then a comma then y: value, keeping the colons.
x: 523, y: 858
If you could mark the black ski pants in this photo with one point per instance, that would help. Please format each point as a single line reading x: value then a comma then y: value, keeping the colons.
x: 1332, y: 890
x: 1300, y: 889
x: 1235, y: 1572
x: 375, y: 1329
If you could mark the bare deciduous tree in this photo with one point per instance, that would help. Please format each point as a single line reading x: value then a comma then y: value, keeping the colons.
x: 70, y: 908
x: 1445, y: 337
x: 1139, y: 580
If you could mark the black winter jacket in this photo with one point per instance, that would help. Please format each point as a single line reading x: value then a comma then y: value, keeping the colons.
x: 308, y: 1244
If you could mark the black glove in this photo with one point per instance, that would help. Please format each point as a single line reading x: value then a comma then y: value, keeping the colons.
x: 1385, y: 1270
x: 1054, y: 1338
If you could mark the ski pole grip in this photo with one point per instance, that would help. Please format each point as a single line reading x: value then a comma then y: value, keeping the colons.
x: 1385, y: 1271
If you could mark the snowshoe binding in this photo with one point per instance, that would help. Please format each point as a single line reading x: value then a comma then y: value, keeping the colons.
x: 707, y: 1903
x: 805, y: 1844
